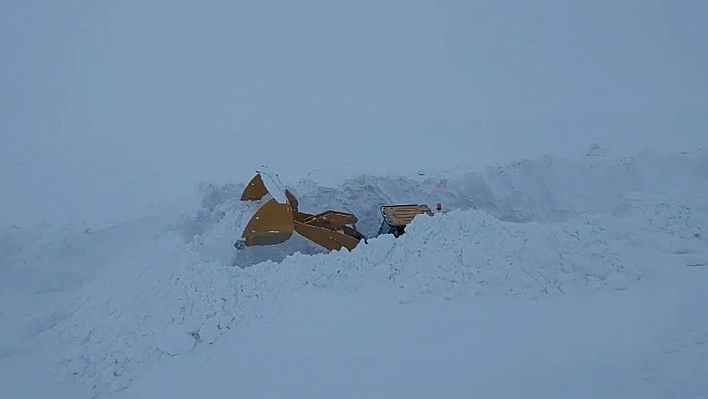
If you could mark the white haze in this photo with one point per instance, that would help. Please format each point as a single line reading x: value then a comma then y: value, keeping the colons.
x: 111, y: 109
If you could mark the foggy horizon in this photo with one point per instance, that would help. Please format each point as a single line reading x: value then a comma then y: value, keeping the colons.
x: 109, y: 109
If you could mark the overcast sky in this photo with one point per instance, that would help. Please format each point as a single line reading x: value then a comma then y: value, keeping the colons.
x: 108, y: 107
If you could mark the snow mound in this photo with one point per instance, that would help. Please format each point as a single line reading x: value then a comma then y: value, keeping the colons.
x: 530, y: 229
x: 165, y: 300
x: 547, y: 190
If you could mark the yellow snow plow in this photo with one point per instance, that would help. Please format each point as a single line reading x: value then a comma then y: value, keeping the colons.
x: 279, y: 217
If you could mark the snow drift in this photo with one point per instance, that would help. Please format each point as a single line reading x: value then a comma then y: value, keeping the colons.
x: 527, y: 230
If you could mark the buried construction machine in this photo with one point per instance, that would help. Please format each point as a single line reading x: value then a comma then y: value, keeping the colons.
x: 279, y: 217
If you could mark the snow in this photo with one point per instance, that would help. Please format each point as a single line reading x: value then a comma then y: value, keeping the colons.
x: 543, y: 278
x: 565, y: 142
x: 112, y: 110
x: 174, y: 340
x: 273, y: 184
x: 364, y: 343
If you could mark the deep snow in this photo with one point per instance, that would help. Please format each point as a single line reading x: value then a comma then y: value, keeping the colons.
x: 542, y: 278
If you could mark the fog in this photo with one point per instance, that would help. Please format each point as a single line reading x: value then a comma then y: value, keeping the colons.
x: 110, y: 110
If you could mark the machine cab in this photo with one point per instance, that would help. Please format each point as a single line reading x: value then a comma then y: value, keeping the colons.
x: 397, y: 217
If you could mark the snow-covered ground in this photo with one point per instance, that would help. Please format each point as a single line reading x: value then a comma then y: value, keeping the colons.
x: 542, y: 278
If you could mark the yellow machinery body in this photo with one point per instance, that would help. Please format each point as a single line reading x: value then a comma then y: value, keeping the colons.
x: 276, y: 221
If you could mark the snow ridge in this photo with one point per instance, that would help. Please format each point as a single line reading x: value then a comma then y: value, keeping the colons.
x: 531, y: 229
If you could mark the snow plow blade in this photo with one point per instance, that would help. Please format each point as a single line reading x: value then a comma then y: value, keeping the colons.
x: 275, y: 222
x: 255, y: 189
x: 272, y: 224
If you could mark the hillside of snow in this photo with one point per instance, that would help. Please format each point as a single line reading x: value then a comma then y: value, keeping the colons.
x: 542, y: 278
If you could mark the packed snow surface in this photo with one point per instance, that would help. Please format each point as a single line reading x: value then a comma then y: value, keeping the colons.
x: 543, y: 278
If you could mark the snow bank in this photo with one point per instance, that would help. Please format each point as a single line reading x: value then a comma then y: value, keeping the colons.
x: 544, y: 191
x: 164, y: 300
x: 531, y: 229
x: 44, y: 266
